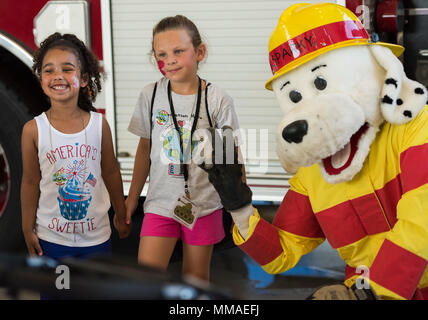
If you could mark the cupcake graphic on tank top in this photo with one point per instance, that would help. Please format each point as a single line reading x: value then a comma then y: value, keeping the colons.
x: 74, y: 198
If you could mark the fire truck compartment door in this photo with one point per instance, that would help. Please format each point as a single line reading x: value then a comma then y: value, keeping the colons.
x: 64, y: 17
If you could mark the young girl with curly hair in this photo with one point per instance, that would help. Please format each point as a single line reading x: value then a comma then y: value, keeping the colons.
x: 70, y: 173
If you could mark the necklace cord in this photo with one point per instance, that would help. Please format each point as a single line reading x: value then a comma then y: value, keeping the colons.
x: 185, y: 154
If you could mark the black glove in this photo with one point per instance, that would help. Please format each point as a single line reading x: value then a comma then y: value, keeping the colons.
x: 225, y: 173
x: 342, y: 292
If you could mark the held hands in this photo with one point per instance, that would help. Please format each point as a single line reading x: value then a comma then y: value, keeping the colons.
x: 224, y: 170
x: 131, y: 206
x: 122, y: 223
x: 122, y: 227
x: 32, y: 242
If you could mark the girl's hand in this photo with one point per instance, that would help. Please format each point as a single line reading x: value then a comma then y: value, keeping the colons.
x: 123, y: 227
x: 33, y: 245
x: 131, y: 206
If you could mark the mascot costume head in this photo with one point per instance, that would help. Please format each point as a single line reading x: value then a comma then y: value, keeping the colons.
x: 336, y: 87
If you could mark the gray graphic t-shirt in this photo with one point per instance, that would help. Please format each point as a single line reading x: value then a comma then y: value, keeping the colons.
x: 166, y: 177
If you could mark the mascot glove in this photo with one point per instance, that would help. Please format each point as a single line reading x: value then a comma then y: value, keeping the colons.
x: 224, y: 172
x: 342, y: 292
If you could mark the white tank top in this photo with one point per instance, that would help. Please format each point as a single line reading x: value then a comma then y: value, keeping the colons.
x: 74, y: 202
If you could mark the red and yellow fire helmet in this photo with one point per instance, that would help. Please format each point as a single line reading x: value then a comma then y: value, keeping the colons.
x: 305, y: 31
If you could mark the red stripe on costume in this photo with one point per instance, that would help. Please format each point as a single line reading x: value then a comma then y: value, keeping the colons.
x: 413, y: 174
x: 397, y: 269
x: 370, y: 214
x: 340, y: 225
x: 263, y: 245
x: 313, y: 40
x: 349, y: 272
x: 421, y: 294
x: 389, y: 196
x: 352, y: 220
x: 295, y: 215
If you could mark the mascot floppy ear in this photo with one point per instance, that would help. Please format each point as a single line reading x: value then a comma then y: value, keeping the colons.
x: 402, y: 98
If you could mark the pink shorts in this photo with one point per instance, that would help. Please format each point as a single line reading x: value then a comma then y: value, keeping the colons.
x: 206, y: 231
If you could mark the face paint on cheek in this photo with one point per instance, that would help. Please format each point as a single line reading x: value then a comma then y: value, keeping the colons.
x: 161, y: 64
x: 76, y: 82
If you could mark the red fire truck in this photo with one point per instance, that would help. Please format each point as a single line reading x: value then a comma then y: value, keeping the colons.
x: 116, y: 31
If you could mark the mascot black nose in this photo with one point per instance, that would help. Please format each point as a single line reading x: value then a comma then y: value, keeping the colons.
x: 295, y: 131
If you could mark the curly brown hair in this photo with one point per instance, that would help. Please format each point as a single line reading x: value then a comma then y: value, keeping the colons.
x: 88, y: 65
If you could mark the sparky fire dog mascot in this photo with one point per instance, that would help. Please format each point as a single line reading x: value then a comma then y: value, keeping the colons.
x: 355, y: 133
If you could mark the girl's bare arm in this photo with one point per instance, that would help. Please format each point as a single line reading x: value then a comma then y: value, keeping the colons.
x: 139, y: 176
x: 111, y: 174
x: 30, y: 185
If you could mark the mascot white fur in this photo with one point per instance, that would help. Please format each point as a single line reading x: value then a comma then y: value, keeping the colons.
x: 355, y: 133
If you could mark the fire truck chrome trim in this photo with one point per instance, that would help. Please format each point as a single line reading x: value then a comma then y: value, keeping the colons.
x: 5, y: 183
x: 17, y: 50
x: 416, y: 12
x: 109, y: 91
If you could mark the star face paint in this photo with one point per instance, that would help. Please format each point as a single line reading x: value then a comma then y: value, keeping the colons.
x: 161, y: 65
